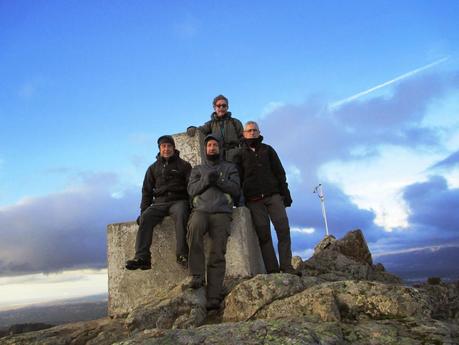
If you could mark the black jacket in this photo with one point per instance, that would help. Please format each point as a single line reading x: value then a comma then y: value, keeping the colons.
x: 261, y: 172
x: 165, y: 180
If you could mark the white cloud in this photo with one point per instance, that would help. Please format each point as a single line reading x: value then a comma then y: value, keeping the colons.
x: 306, y: 231
x: 270, y: 107
x: 38, y: 288
x: 304, y: 254
x: 375, y: 183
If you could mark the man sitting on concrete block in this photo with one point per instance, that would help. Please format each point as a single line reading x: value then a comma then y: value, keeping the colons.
x: 164, y: 193
x: 213, y: 187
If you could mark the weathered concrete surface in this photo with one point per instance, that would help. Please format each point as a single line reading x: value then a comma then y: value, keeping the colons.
x: 129, y: 289
x: 191, y: 148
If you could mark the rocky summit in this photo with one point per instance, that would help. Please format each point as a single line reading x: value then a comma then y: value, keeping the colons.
x: 342, y: 298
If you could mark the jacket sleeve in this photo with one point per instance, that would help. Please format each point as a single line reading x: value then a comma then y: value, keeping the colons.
x: 198, y: 183
x: 147, y: 189
x: 231, y: 184
x: 279, y: 172
x: 187, y: 172
x: 237, y: 159
x: 239, y: 130
x: 206, y: 128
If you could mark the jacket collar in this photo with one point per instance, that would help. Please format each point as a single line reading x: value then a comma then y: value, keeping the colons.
x: 258, y: 143
x: 216, y: 118
x: 171, y: 158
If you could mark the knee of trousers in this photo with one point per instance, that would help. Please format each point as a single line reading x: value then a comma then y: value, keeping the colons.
x: 282, y: 228
x: 264, y: 234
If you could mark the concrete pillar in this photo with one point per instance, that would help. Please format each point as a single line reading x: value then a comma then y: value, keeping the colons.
x: 129, y: 289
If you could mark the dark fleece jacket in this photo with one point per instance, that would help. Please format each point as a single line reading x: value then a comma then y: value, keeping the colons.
x: 261, y: 171
x: 165, y: 180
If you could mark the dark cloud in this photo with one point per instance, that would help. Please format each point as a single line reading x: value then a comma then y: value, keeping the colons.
x: 433, y: 207
x: 433, y: 218
x: 63, y: 230
x: 68, y: 229
x: 310, y: 135
x: 342, y: 216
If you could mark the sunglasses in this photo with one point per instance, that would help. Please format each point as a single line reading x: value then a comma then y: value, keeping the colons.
x: 221, y: 105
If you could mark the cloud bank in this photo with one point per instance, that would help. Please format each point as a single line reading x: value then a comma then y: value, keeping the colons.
x: 64, y: 230
x: 68, y: 230
x: 309, y: 135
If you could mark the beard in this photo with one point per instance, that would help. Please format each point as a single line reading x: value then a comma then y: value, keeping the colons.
x: 213, y: 157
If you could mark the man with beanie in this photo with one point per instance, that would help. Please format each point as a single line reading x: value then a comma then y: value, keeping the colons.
x: 164, y: 193
x: 266, y: 193
x: 213, y: 187
x: 223, y: 126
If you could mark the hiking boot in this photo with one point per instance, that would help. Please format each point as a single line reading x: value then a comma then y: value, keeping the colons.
x: 182, y: 260
x: 135, y: 264
x: 291, y: 270
x: 213, y: 303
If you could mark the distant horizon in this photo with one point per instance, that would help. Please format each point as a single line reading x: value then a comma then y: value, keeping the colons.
x: 447, y: 274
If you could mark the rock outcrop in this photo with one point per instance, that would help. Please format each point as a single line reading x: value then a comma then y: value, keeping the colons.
x: 342, y: 298
x: 347, y: 258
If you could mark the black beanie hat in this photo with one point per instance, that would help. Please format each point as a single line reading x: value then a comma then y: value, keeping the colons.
x: 166, y: 139
x: 211, y: 137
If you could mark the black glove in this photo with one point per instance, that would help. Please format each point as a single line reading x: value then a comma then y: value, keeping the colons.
x: 213, y: 177
x: 288, y: 201
x: 138, y: 220
x: 191, y: 131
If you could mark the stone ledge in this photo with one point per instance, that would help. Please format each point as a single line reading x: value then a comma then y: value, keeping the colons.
x: 129, y: 289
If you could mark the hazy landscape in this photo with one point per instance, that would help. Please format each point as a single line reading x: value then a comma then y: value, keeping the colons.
x: 412, y: 267
x: 58, y: 312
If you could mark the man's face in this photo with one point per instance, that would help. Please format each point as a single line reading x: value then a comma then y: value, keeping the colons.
x: 221, y: 107
x: 212, y: 148
x: 166, y: 150
x: 251, y: 132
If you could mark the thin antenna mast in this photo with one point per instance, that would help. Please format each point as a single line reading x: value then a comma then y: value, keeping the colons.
x: 320, y: 194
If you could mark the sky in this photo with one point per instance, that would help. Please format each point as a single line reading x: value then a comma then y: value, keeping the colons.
x: 359, y: 96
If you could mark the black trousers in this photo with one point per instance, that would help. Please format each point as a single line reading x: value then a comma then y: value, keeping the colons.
x: 152, y: 216
x: 218, y: 226
x: 262, y: 211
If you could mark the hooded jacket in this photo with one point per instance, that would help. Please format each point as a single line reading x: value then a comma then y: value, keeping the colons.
x: 165, y: 180
x: 261, y: 171
x: 228, y: 129
x: 214, y: 197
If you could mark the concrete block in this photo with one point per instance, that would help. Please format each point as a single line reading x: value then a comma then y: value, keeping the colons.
x: 191, y: 148
x: 129, y: 289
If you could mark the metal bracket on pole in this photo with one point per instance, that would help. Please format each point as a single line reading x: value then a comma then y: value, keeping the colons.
x: 321, y: 196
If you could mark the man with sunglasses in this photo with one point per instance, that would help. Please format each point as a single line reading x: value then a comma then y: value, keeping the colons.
x: 224, y: 126
x: 266, y: 193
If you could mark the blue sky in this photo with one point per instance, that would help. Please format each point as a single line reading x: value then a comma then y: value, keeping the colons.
x: 86, y: 87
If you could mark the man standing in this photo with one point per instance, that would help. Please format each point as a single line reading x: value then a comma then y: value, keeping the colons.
x: 267, y: 195
x: 213, y: 187
x: 164, y: 193
x: 223, y: 126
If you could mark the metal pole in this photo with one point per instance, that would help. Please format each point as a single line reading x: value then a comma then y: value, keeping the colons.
x: 321, y: 195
